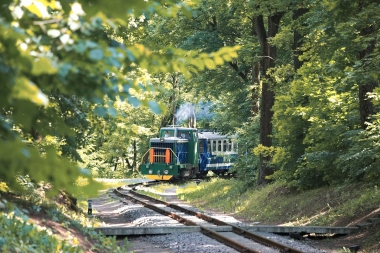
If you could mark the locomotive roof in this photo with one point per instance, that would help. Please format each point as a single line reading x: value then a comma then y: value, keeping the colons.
x: 177, y: 127
x: 169, y: 140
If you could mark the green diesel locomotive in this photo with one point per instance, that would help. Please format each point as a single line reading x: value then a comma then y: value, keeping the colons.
x: 181, y: 152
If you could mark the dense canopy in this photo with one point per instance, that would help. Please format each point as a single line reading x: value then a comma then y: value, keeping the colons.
x: 84, y: 84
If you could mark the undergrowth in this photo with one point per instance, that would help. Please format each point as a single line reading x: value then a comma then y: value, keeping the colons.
x: 276, y: 204
x: 20, y: 233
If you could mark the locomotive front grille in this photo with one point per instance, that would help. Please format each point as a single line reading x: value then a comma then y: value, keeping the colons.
x: 161, y: 153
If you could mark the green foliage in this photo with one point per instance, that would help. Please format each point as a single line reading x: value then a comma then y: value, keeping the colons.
x: 62, y: 71
x: 222, y: 194
x: 317, y: 113
x: 20, y: 234
x: 77, y: 79
x: 277, y: 204
x: 247, y: 163
x: 360, y: 161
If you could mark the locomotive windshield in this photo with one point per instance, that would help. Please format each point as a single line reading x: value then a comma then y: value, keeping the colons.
x: 167, y: 133
x: 176, y: 132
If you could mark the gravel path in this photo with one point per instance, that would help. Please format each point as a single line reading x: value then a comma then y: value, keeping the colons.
x: 113, y: 212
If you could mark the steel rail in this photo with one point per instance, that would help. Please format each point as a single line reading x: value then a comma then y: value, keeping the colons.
x: 235, y: 229
x: 208, y: 232
x: 242, y: 232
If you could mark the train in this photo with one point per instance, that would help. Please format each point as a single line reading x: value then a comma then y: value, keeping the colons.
x: 185, y: 152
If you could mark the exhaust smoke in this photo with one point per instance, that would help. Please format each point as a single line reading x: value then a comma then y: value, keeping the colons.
x: 186, y: 112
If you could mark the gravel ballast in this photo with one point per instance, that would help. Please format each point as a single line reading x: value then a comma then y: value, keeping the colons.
x: 114, y: 212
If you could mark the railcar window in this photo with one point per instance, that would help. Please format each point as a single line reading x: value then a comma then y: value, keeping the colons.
x: 229, y: 147
x: 201, y: 146
x: 224, y: 145
x: 214, y: 146
x: 219, y: 145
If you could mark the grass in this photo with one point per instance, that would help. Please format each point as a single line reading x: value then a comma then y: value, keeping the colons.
x: 277, y: 205
x: 152, y: 194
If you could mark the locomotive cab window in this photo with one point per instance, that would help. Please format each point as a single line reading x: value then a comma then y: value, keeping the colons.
x: 184, y: 135
x: 167, y: 133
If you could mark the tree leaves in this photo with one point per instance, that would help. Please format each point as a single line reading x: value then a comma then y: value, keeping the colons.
x: 43, y: 65
x: 24, y: 89
x: 96, y: 54
x: 156, y: 107
x: 58, y: 67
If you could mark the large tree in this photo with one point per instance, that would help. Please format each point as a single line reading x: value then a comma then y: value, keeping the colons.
x: 269, y: 55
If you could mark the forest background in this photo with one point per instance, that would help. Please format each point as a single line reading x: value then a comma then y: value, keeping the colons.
x: 85, y: 84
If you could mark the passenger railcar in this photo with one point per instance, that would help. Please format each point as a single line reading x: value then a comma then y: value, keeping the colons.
x: 218, y: 152
x: 181, y: 152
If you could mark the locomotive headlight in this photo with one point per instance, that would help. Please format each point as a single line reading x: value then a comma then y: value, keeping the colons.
x: 150, y: 171
x: 170, y: 167
x: 147, y: 166
x: 166, y: 171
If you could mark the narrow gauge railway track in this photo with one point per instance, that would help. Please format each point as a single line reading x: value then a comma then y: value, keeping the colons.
x: 144, y: 200
x: 184, y: 180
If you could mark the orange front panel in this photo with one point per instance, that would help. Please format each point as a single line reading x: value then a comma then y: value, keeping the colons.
x: 151, y: 155
x: 167, y: 156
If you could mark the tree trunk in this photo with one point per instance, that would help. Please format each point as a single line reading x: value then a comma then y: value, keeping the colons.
x: 269, y: 53
x: 133, y: 165
x: 255, y: 93
x: 365, y: 104
x: 134, y: 155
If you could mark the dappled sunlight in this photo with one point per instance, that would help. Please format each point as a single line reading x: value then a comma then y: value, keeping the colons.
x: 4, y: 187
x: 226, y: 189
x: 109, y: 207
x: 154, y: 220
x: 305, y: 221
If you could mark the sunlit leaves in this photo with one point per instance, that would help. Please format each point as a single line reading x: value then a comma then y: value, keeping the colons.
x: 25, y: 89
x: 375, y: 96
x: 212, y: 60
x: 136, y: 7
x: 318, y: 118
x: 58, y: 67
x: 41, y: 7
x: 43, y: 65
